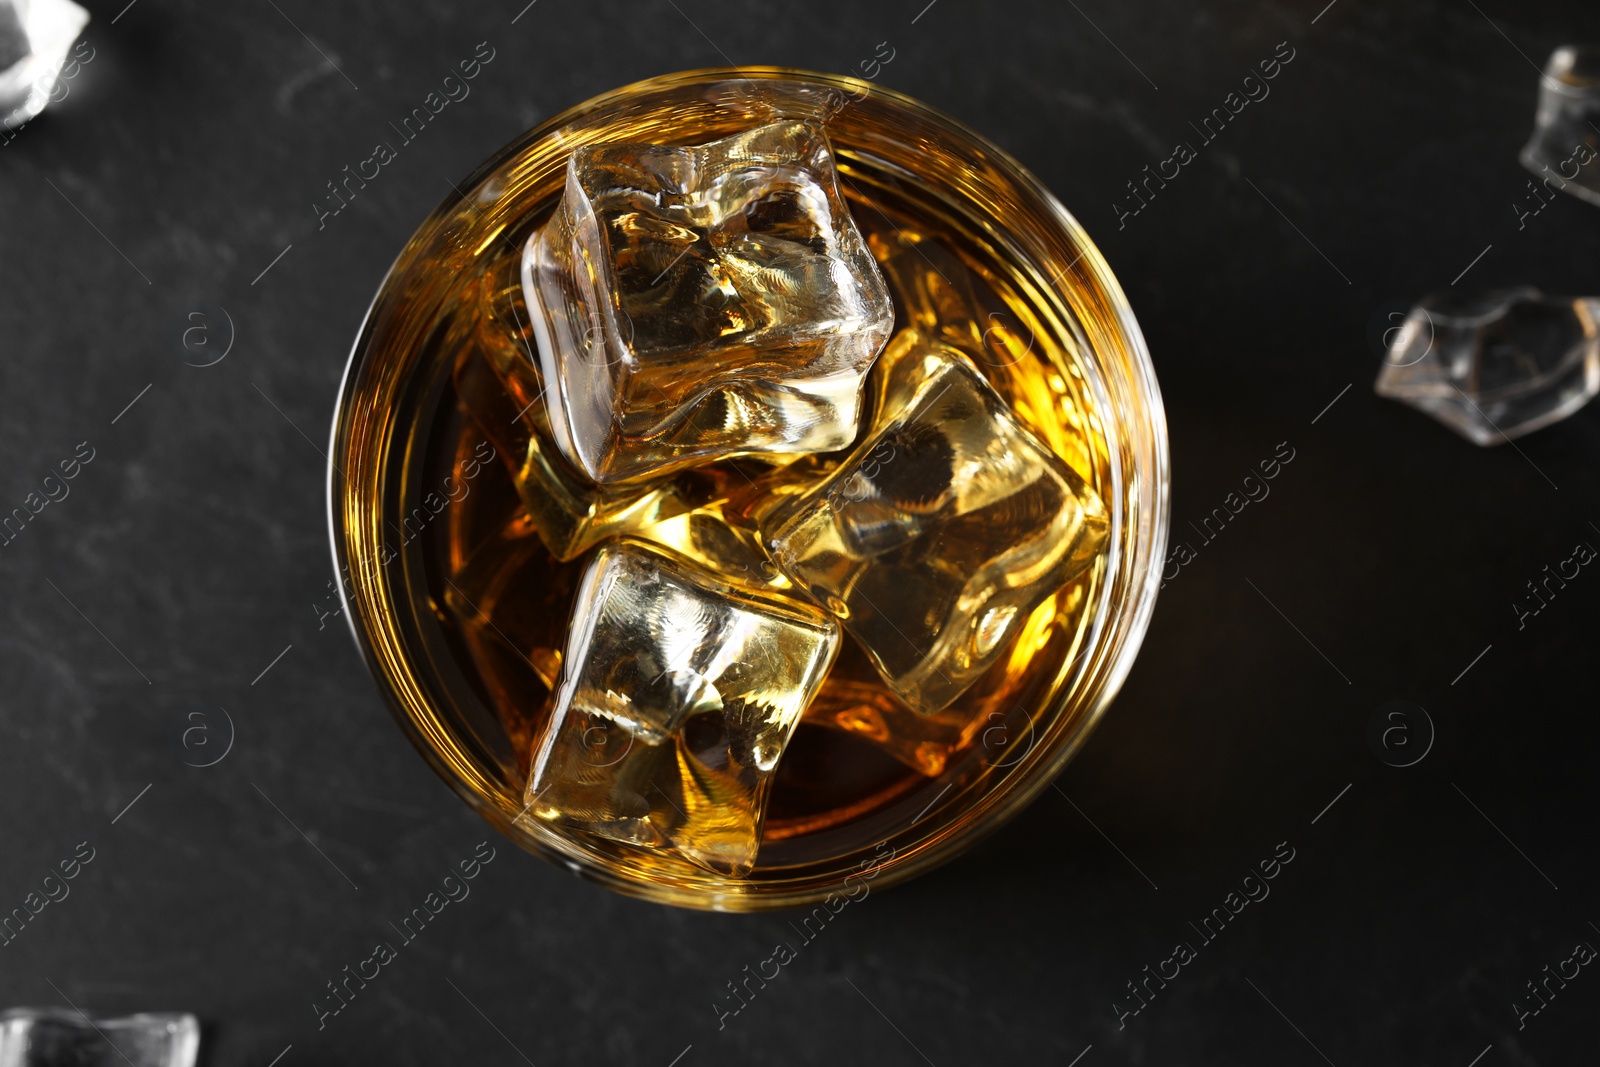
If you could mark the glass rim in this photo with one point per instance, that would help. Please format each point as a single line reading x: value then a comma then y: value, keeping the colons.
x: 1119, y: 637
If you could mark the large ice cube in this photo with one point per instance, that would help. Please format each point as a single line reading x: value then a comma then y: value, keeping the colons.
x: 1564, y: 148
x: 942, y: 532
x: 678, y: 692
x: 698, y: 302
x: 46, y: 1037
x: 1497, y: 365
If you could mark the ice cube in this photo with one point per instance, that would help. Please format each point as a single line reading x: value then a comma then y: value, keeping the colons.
x: 1564, y: 148
x: 34, y: 38
x: 499, y: 385
x: 1495, y: 366
x: 46, y: 1037
x: 947, y: 526
x: 693, y: 303
x: 679, y: 690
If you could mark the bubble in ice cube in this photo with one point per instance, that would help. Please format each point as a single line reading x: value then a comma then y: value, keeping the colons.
x: 499, y: 385
x: 46, y: 1037
x: 679, y: 690
x: 693, y: 303
x: 1564, y: 148
x: 944, y: 530
x: 1495, y: 366
x: 34, y: 38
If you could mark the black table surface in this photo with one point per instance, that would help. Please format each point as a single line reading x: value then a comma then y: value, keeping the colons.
x: 180, y: 585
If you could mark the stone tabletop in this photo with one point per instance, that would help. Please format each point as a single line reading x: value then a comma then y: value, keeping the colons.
x: 180, y: 299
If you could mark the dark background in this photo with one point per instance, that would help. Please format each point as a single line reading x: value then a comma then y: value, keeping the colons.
x: 193, y: 550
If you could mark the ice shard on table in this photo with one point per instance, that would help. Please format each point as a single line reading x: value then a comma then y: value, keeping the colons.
x: 1564, y: 148
x: 678, y: 692
x: 694, y: 303
x: 943, y: 531
x: 47, y: 1037
x: 1498, y: 365
x: 35, y: 36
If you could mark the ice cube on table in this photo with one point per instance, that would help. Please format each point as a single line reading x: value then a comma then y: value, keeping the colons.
x: 693, y: 303
x: 1497, y: 365
x: 947, y: 526
x: 499, y: 385
x: 1564, y: 148
x: 48, y: 1037
x: 678, y: 692
x: 35, y: 36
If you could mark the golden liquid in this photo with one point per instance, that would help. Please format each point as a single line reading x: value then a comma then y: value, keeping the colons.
x: 863, y: 784
x: 858, y: 749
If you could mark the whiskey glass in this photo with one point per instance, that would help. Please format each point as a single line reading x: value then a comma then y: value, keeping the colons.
x: 1057, y: 340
